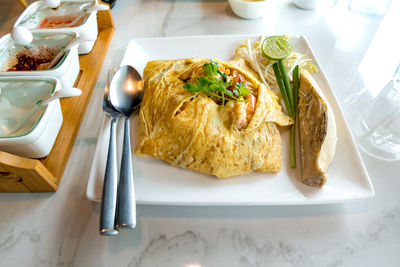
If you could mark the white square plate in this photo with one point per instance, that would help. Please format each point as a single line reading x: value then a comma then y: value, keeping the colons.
x: 159, y: 183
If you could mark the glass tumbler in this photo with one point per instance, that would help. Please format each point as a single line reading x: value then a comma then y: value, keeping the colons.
x: 374, y: 8
x: 378, y: 131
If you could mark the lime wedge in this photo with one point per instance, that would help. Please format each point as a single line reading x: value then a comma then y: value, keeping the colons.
x: 276, y: 47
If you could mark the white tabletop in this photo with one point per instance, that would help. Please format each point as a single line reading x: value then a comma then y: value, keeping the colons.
x: 61, y: 229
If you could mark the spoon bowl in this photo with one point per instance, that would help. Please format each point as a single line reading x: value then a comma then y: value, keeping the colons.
x: 22, y: 36
x: 52, y: 3
x: 126, y: 90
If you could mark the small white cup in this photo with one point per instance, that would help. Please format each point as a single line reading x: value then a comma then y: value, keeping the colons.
x: 249, y: 9
x: 307, y: 4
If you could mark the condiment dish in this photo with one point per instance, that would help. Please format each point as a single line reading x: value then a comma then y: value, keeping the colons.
x: 248, y: 9
x: 35, y: 15
x: 307, y: 4
x: 27, y: 129
x: 44, y: 42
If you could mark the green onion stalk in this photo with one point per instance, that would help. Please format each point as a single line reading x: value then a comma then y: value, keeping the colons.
x: 290, y: 97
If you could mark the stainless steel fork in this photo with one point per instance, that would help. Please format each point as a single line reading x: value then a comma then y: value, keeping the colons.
x: 109, y: 196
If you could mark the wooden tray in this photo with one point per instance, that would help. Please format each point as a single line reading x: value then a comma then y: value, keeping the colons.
x: 19, y: 174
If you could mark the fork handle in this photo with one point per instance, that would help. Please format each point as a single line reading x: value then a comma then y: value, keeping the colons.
x: 126, y: 203
x: 109, y: 197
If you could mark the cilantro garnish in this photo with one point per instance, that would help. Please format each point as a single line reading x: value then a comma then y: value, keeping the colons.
x: 211, y: 68
x: 217, y: 87
x: 241, y: 89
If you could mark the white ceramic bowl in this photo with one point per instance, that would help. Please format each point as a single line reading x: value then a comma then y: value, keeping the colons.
x: 37, y: 11
x: 249, y: 9
x: 66, y: 70
x: 39, y: 127
x: 307, y: 4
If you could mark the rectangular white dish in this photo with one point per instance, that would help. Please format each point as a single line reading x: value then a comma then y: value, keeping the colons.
x: 17, y: 102
x: 33, y: 14
x: 66, y: 70
x: 159, y: 183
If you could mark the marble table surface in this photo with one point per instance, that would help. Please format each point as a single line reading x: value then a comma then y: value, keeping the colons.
x: 61, y: 229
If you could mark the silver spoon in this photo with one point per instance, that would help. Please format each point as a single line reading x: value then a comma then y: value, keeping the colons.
x: 126, y: 94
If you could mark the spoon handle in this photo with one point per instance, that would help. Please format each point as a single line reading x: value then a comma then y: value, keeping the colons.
x: 126, y: 206
x: 109, y: 197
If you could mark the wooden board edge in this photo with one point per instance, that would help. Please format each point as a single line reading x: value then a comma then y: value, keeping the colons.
x: 87, y: 84
x: 27, y: 175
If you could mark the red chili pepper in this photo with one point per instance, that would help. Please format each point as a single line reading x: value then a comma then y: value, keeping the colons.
x: 27, y: 63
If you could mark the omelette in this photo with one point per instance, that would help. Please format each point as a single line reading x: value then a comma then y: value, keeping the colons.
x: 226, y: 127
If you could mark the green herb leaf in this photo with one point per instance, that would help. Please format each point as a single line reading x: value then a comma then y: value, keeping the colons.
x: 211, y: 68
x: 241, y: 89
x: 223, y: 75
x: 192, y: 87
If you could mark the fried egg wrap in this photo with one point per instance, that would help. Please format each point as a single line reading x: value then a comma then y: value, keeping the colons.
x: 192, y: 131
